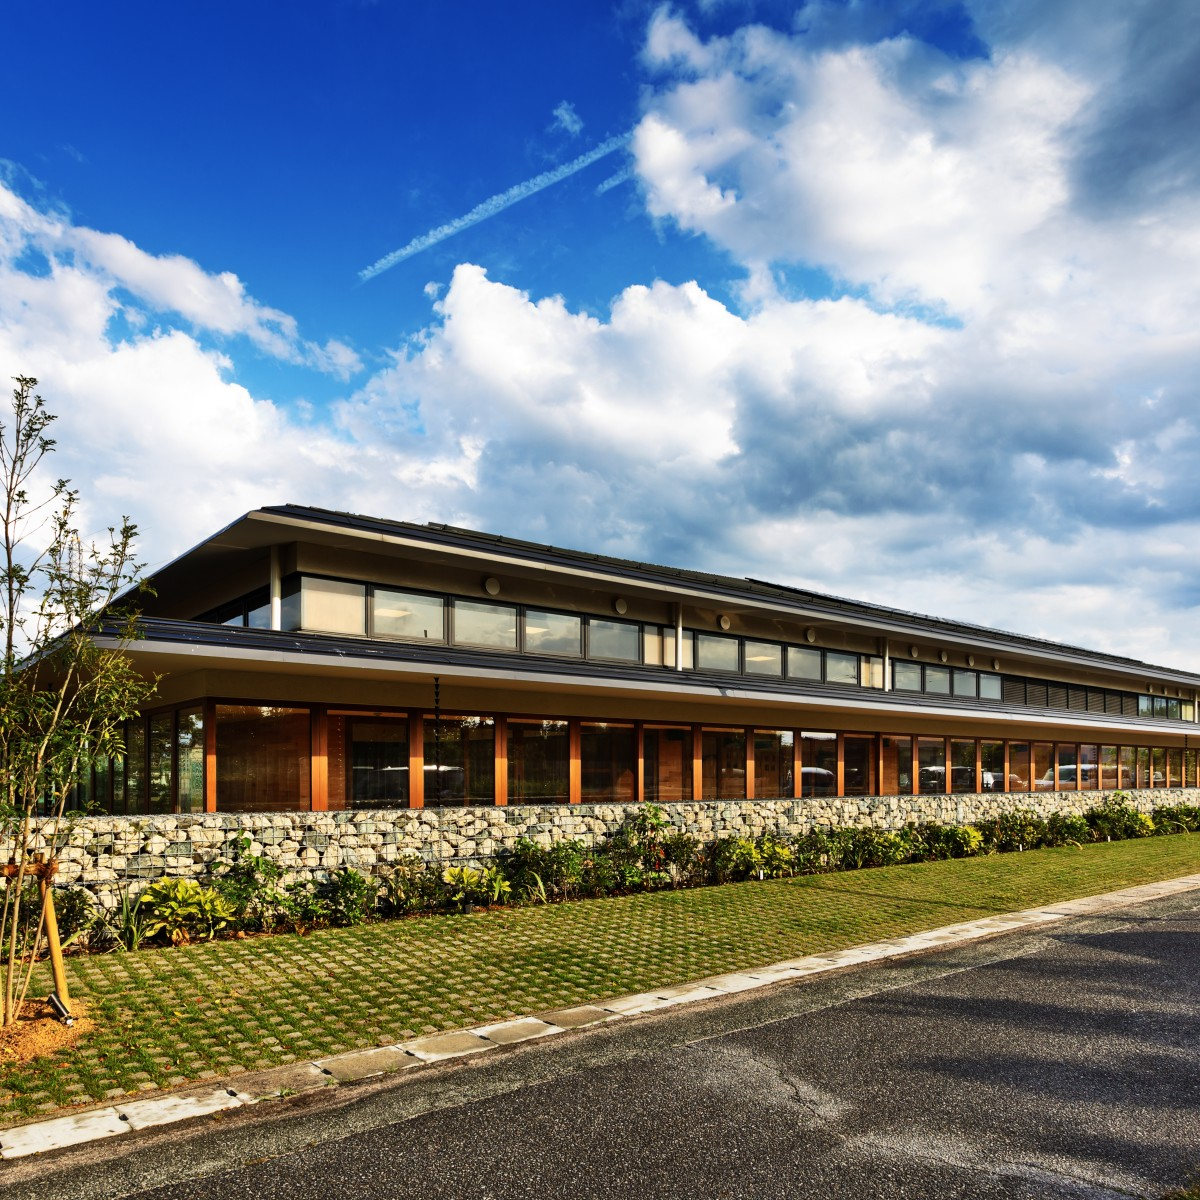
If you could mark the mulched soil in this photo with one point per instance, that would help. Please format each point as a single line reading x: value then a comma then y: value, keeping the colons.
x: 37, y: 1032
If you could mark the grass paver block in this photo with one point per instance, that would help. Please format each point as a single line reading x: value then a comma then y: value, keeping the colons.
x: 204, y: 1011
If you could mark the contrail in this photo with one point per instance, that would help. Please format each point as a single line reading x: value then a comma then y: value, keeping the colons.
x: 614, y: 181
x: 498, y: 203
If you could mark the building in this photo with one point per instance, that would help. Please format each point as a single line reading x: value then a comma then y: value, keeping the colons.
x: 315, y: 660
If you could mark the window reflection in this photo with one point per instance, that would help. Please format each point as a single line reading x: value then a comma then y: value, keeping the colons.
x: 818, y: 764
x: 667, y: 767
x: 553, y: 633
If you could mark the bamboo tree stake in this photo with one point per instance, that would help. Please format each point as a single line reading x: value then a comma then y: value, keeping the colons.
x: 57, y: 966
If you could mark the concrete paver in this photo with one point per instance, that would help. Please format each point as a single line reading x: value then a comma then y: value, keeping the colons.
x: 178, y: 1106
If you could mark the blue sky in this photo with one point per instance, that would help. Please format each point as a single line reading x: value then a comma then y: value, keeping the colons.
x: 892, y: 300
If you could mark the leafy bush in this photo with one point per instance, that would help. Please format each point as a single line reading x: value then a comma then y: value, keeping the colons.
x: 1064, y: 829
x: 777, y: 858
x: 409, y: 887
x: 817, y: 851
x: 732, y: 858
x: 74, y: 909
x: 349, y: 896
x: 250, y: 886
x: 1117, y: 819
x: 182, y: 910
x: 684, y: 859
x: 543, y: 873
x: 1177, y: 818
x: 1020, y: 829
x: 933, y: 841
x: 866, y: 847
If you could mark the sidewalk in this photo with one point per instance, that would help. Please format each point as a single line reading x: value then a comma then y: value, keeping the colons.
x: 125, y: 1117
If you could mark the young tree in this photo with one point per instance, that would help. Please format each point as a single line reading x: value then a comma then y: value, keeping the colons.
x: 66, y: 685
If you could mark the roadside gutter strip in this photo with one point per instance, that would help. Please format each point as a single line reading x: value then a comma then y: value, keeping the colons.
x: 117, y: 1119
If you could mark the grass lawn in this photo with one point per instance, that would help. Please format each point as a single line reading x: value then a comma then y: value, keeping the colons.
x: 166, y: 1017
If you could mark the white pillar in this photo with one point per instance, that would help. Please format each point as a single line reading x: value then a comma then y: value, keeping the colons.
x: 276, y: 591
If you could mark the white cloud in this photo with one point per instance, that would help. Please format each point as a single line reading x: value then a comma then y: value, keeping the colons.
x: 567, y: 119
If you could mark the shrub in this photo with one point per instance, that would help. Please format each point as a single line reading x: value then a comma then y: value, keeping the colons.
x: 732, y: 858
x: 1063, y: 829
x: 1177, y: 818
x: 183, y: 910
x: 409, y: 887
x: 544, y: 872
x: 777, y: 859
x: 934, y: 841
x: 75, y: 910
x: 1117, y: 819
x: 817, y: 851
x: 684, y: 859
x: 249, y: 885
x: 348, y: 895
x: 1020, y: 829
x: 866, y: 847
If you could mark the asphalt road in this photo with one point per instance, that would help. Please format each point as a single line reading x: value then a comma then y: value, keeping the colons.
x: 1060, y: 1063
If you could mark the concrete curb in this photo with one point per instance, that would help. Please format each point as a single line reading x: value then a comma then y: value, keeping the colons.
x: 121, y: 1118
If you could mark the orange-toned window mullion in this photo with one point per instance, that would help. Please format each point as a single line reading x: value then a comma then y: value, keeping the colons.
x: 319, y: 717
x: 210, y: 756
x: 697, y: 762
x: 575, y: 741
x: 749, y: 764
x: 797, y: 766
x: 501, y: 760
x: 639, y: 734
x: 416, y: 760
x: 841, y: 764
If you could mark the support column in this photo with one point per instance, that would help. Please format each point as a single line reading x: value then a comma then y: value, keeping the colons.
x: 575, y: 741
x: 639, y: 735
x: 501, y: 761
x: 416, y: 760
x: 210, y: 757
x: 697, y: 763
x: 276, y: 590
x: 749, y: 764
x: 319, y: 716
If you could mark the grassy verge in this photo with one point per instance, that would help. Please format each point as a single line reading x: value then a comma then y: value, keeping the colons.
x: 166, y: 1017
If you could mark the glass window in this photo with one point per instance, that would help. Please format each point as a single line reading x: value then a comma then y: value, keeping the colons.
x: 1161, y: 706
x: 966, y: 683
x: 1108, y: 767
x: 1174, y: 768
x: 931, y: 765
x: 369, y: 761
x: 539, y: 762
x: 818, y: 764
x: 189, y: 743
x: 1143, y: 767
x: 460, y: 760
x: 724, y: 775
x: 1043, y: 767
x: 667, y: 764
x: 1128, y: 764
x: 1019, y: 767
x: 135, y: 767
x: 858, y: 766
x: 1145, y: 706
x: 962, y: 766
x: 477, y: 623
x: 897, y: 766
x: 553, y: 633
x: 714, y: 653
x: 991, y: 763
x: 764, y: 658
x: 989, y: 687
x: 1089, y: 767
x: 608, y: 763
x: 618, y: 640
x: 162, y: 737
x: 258, y: 616
x: 774, y: 763
x: 1158, y: 761
x: 263, y: 758
x: 333, y: 606
x: 290, y: 603
x: 937, y: 680
x: 409, y: 615
x: 841, y: 668
x: 1189, y: 770
x: 668, y: 648
x: 1068, y: 768
x: 803, y: 662
x: 906, y: 676
x: 101, y: 794
x: 1173, y: 710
